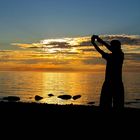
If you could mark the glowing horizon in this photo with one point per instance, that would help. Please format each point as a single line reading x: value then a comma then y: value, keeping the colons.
x: 67, y: 54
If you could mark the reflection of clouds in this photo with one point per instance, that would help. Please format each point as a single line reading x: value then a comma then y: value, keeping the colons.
x: 42, y: 60
x: 132, y: 65
x: 32, y: 60
x: 132, y: 56
x: 93, y: 61
x: 131, y: 48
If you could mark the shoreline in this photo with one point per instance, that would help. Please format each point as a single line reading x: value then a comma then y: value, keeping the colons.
x: 36, y: 114
x: 25, y: 107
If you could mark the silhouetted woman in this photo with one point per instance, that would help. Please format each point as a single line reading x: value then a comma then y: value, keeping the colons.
x: 112, y: 94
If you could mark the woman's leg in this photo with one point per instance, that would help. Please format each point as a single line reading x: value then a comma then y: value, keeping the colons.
x: 106, y: 96
x: 118, y: 96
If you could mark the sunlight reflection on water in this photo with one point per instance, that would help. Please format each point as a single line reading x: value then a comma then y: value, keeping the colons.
x: 28, y: 84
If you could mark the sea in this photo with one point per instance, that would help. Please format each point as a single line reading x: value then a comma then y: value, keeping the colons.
x: 28, y: 84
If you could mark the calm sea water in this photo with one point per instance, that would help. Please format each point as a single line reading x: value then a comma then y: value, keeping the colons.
x: 28, y: 84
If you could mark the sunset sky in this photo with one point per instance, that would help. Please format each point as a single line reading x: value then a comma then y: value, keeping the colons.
x: 54, y: 35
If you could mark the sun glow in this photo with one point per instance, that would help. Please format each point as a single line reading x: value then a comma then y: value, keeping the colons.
x: 71, y: 41
x: 48, y: 41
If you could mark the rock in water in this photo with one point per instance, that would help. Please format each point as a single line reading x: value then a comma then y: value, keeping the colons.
x: 12, y: 98
x: 91, y: 103
x: 65, y: 97
x: 37, y: 98
x: 76, y: 97
x: 50, y: 95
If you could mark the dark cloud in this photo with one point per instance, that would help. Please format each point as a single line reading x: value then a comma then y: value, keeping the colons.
x: 62, y: 45
x: 87, y: 49
x: 69, y: 53
x: 5, y: 51
x: 86, y: 43
x: 124, y: 39
x: 34, y: 47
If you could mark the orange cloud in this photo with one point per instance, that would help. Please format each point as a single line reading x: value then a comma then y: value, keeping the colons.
x: 66, y: 54
x: 25, y: 46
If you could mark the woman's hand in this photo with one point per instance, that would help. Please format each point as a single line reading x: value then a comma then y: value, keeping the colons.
x: 93, y: 39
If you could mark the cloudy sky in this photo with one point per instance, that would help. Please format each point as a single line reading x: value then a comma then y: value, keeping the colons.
x: 54, y: 35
